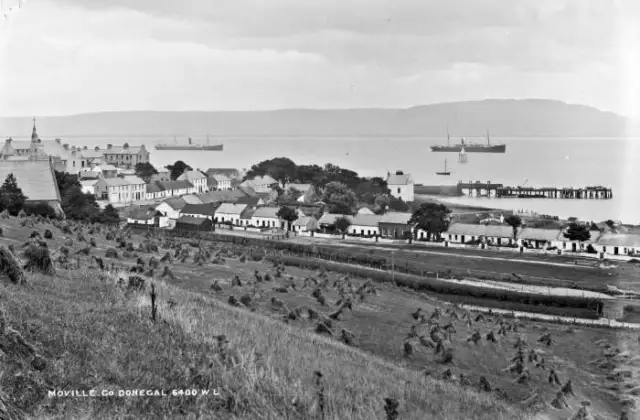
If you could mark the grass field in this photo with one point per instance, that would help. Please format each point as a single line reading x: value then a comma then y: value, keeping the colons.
x: 551, y: 271
x: 93, y: 335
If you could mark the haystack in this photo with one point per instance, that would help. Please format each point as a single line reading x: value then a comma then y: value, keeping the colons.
x: 10, y: 267
x: 39, y: 260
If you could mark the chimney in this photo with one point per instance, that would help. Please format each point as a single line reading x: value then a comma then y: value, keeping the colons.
x: 66, y: 146
x: 109, y: 146
x: 58, y: 141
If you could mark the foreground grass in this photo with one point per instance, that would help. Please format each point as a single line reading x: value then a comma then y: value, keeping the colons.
x: 93, y: 335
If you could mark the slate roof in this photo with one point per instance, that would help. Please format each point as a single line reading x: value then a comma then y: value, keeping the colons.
x: 190, y: 220
x: 394, y: 179
x: 249, y: 201
x: 175, y: 185
x: 119, y: 150
x: 230, y: 208
x: 266, y: 212
x: 364, y: 210
x: 132, y: 179
x: 300, y: 187
x: 503, y: 231
x: 154, y: 187
x: 34, y: 177
x: 366, y: 220
x: 175, y: 203
x: 202, y: 209
x: 191, y: 199
x: 396, y: 218
x: 142, y: 214
x: 114, y: 182
x: 306, y: 221
x: 535, y: 234
x: 619, y: 240
x: 191, y: 176
x: 216, y: 196
x: 89, y: 182
x: 220, y: 178
x: 330, y: 218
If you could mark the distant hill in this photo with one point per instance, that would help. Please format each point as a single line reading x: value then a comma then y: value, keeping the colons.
x: 503, y: 117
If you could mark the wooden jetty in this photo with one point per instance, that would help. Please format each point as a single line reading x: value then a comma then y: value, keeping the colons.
x: 489, y: 189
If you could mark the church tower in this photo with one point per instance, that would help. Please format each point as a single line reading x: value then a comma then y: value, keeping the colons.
x: 36, y: 148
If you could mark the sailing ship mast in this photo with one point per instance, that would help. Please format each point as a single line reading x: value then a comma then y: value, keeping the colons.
x: 488, y: 142
x: 448, y: 137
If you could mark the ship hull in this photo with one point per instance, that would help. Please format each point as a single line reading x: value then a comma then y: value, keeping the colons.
x: 501, y: 148
x: 217, y: 147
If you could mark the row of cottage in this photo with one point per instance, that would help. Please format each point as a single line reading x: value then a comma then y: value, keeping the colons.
x: 244, y: 210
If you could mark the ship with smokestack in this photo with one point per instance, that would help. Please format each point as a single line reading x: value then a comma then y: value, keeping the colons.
x: 190, y: 146
x: 469, y: 147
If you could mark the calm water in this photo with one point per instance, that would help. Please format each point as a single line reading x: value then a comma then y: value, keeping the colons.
x: 534, y: 161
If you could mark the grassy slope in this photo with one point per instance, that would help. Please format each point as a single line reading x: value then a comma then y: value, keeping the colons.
x: 94, y: 336
x: 380, y: 325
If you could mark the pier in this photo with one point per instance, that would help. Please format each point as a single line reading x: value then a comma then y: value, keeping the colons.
x: 489, y: 189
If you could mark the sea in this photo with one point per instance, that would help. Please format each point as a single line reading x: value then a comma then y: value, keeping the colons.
x: 532, y: 162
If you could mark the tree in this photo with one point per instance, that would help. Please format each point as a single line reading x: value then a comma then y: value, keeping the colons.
x: 368, y: 190
x: 293, y: 193
x: 75, y: 204
x: 432, y: 218
x: 577, y: 232
x: 288, y: 214
x: 396, y: 204
x: 281, y: 169
x: 342, y: 224
x: 145, y: 171
x: 110, y: 215
x: 11, y: 196
x: 515, y: 222
x: 178, y: 168
x: 339, y: 198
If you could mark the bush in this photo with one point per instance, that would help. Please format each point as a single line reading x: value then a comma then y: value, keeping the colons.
x: 445, y: 288
x: 39, y: 209
x: 48, y: 234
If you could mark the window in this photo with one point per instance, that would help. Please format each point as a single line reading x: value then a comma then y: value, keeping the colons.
x: 398, y: 190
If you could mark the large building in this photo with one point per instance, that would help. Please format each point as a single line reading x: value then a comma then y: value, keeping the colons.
x: 400, y: 185
x: 125, y: 156
x: 36, y: 179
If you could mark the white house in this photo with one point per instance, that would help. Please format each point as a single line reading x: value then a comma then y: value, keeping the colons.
x: 365, y: 224
x: 329, y: 219
x: 89, y: 186
x: 401, y: 186
x: 207, y: 211
x: 490, y: 234
x: 138, y: 189
x: 305, y: 224
x: 155, y: 191
x: 197, y: 179
x: 171, y: 207
x: 219, y: 182
x: 229, y: 212
x: 261, y: 184
x: 538, y: 238
x: 618, y: 244
x: 177, y: 188
x: 147, y: 217
x: 115, y: 190
x: 576, y: 246
x: 266, y: 217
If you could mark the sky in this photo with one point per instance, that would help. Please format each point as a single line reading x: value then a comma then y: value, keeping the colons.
x: 61, y: 57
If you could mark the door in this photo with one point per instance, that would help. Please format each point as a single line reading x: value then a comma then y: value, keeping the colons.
x: 462, y: 239
x: 615, y: 250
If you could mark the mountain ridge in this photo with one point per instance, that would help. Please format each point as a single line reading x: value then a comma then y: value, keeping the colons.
x: 502, y: 117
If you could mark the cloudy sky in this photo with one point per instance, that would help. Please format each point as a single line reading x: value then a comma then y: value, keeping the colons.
x: 62, y: 57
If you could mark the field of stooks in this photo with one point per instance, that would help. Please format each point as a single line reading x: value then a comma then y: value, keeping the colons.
x: 88, y: 306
